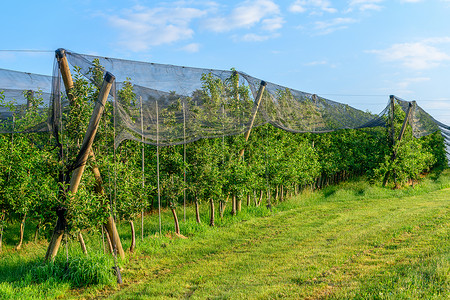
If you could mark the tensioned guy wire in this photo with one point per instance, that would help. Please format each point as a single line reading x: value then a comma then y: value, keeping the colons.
x: 27, y: 50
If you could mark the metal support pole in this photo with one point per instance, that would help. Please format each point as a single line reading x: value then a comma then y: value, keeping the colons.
x: 157, y: 168
x: 184, y: 162
x: 143, y: 171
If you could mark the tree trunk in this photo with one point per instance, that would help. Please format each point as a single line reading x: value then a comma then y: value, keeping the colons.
x: 108, y: 240
x: 57, y: 236
x: 221, y: 208
x: 211, y: 220
x: 175, y: 218
x: 197, y: 211
x: 233, y: 205
x: 114, y: 236
x: 276, y: 194
x: 22, y: 228
x: 239, y: 204
x: 142, y: 225
x: 281, y: 193
x: 133, y: 237
x: 248, y: 199
x: 82, y: 244
x: 261, y: 193
x: 1, y: 230
x: 36, y: 233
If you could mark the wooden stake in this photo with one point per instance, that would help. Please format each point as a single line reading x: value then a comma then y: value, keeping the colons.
x: 29, y: 96
x: 392, y: 102
x: 400, y: 137
x: 82, y: 243
x: 80, y: 162
x: 262, y: 86
x: 405, y: 122
x: 68, y: 83
x: 65, y: 72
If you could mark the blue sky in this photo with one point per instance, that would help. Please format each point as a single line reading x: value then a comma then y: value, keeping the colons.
x: 356, y: 52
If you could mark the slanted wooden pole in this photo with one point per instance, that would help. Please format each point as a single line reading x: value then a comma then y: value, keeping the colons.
x: 65, y: 72
x: 402, y: 131
x: 80, y: 162
x: 262, y: 86
x: 110, y: 225
x: 400, y: 137
x: 68, y: 84
x: 392, y: 103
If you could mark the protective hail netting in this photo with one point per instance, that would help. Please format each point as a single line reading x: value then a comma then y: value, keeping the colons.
x: 18, y: 91
x: 174, y: 105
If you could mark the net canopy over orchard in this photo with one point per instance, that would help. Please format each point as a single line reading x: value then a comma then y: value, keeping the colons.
x: 173, y: 104
x: 18, y: 90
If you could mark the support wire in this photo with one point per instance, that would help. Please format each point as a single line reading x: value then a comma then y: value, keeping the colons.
x: 143, y: 172
x: 157, y: 168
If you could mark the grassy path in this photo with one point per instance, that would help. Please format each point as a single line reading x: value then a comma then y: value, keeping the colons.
x: 351, y: 241
x: 335, y: 245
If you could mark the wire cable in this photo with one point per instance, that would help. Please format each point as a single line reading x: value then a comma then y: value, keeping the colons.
x: 27, y: 50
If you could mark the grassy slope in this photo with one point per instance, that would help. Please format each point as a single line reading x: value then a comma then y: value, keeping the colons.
x: 351, y: 241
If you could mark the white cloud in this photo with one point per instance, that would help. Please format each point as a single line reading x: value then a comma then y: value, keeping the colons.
x: 191, y: 48
x: 326, y: 27
x: 364, y: 5
x: 251, y: 37
x: 437, y: 40
x: 416, y: 56
x: 272, y: 24
x: 246, y: 15
x: 410, y: 1
x: 405, y: 83
x: 142, y: 27
x: 301, y: 6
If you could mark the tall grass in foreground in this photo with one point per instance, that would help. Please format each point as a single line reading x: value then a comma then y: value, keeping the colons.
x: 28, y: 277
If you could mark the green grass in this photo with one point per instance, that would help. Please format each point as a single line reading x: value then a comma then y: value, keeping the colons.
x: 351, y: 241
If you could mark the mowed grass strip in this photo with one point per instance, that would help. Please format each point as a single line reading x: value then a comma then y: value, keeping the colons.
x: 338, y: 243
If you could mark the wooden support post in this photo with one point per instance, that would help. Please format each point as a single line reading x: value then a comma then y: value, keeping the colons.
x: 392, y: 103
x: 262, y: 86
x: 400, y: 137
x: 68, y: 83
x: 65, y: 72
x: 402, y: 131
x: 80, y: 162
x: 29, y: 96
